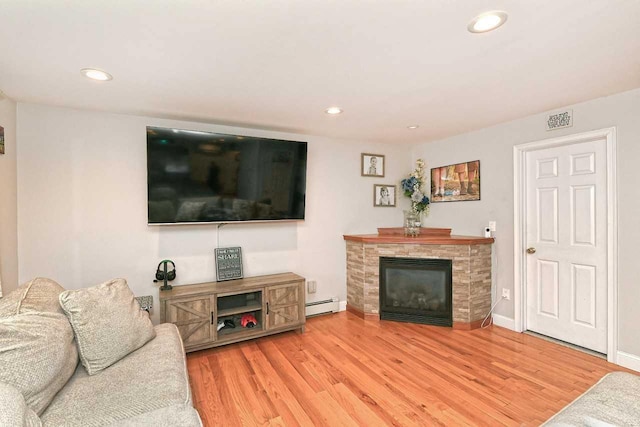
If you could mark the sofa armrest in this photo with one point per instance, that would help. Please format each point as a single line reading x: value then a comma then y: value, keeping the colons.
x: 14, y: 411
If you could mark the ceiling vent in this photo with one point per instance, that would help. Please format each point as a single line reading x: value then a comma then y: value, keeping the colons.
x: 560, y: 120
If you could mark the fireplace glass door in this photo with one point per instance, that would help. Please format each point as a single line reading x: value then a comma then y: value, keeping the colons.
x: 416, y: 290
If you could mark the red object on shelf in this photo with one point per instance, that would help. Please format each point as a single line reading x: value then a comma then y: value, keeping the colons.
x: 248, y: 321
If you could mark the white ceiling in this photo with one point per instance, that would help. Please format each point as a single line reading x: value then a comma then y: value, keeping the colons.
x: 278, y: 64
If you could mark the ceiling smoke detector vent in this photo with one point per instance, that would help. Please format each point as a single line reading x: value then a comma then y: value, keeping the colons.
x: 487, y: 21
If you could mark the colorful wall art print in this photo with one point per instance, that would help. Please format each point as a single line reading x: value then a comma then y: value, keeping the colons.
x: 455, y: 183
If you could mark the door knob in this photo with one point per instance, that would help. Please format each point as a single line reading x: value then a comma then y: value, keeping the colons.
x: 531, y: 250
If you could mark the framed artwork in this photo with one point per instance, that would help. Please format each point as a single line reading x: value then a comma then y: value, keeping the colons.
x: 455, y: 183
x: 1, y: 140
x: 384, y: 195
x: 372, y: 164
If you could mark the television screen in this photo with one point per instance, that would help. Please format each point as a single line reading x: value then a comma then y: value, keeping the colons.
x: 195, y: 176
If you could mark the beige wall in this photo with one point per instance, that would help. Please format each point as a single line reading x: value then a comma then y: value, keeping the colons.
x: 83, y: 206
x: 494, y: 148
x: 8, y: 198
x: 82, y: 202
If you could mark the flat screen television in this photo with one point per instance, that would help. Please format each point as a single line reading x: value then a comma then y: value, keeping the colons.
x: 204, y: 177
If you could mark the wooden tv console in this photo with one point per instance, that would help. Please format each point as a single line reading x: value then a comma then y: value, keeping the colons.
x: 277, y: 301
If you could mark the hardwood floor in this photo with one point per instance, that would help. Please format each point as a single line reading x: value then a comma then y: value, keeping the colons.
x: 345, y: 371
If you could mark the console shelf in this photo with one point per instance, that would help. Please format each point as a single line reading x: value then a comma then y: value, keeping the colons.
x: 239, y: 310
x: 241, y: 332
x: 276, y: 301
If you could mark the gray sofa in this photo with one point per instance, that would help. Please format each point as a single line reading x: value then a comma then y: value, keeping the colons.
x: 147, y: 387
x: 612, y: 401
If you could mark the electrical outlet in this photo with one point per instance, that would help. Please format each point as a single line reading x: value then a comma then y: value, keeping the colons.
x: 312, y: 286
x: 492, y: 225
x: 506, y: 293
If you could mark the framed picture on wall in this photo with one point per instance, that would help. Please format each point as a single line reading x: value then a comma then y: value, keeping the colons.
x: 384, y: 195
x: 228, y: 263
x: 1, y: 140
x: 372, y: 164
x: 455, y: 183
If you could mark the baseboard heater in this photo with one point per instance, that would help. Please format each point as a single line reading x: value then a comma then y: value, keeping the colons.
x: 322, y: 307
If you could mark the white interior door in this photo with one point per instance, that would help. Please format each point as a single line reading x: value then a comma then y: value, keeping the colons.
x: 566, y: 237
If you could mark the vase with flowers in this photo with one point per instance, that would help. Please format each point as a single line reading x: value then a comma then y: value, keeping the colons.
x: 413, y: 188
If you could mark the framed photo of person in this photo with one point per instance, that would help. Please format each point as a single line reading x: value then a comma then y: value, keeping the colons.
x: 372, y: 165
x: 456, y: 183
x: 384, y: 195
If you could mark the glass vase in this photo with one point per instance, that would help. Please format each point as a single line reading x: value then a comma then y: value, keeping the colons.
x: 412, y: 223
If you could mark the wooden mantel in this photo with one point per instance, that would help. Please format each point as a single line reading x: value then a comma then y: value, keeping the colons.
x: 427, y: 236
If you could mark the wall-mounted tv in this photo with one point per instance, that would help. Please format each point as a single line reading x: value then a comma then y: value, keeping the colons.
x: 204, y: 177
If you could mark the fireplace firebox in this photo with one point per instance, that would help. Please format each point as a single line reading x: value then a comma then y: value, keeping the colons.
x: 416, y: 290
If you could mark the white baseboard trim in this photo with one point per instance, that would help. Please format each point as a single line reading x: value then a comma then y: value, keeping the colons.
x: 504, y: 322
x: 343, y: 306
x: 627, y: 360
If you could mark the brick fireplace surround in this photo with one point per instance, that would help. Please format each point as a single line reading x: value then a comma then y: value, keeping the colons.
x: 471, y: 258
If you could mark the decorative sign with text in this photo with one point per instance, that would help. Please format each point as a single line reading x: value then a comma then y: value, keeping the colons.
x: 228, y: 263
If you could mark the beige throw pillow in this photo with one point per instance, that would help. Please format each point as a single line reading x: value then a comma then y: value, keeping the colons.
x: 14, y: 411
x: 108, y: 323
x: 37, y: 295
x: 37, y: 355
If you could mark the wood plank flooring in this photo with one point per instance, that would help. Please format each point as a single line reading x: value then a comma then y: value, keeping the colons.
x: 344, y: 371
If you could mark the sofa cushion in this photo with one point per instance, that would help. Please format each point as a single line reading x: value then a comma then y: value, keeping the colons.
x: 171, y: 416
x: 14, y: 411
x: 37, y: 295
x: 37, y: 355
x: 147, y: 385
x: 107, y: 321
x: 9, y: 303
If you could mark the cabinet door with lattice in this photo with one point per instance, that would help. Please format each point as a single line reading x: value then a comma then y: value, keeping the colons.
x: 192, y: 316
x: 285, y: 305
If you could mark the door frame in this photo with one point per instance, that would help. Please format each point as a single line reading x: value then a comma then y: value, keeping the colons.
x: 520, y: 225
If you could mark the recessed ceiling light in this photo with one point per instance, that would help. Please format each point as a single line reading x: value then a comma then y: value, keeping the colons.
x: 413, y: 127
x: 487, y: 21
x: 333, y: 110
x: 94, y: 74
